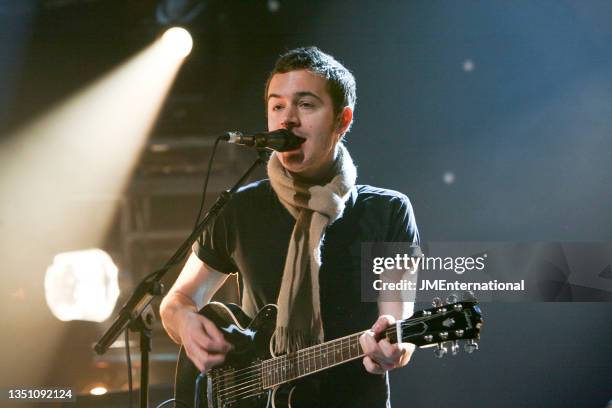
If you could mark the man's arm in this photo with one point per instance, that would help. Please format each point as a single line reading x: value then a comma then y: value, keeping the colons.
x: 195, y: 286
x: 381, y: 356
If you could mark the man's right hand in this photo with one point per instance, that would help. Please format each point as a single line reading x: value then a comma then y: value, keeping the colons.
x: 194, y: 287
x: 203, y: 341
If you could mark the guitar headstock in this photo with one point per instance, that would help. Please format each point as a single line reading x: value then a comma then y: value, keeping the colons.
x: 445, y: 325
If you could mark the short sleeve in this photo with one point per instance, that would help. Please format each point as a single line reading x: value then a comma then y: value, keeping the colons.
x: 402, y: 225
x: 217, y: 243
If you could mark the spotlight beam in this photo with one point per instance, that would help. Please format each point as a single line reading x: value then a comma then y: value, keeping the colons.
x: 81, y: 152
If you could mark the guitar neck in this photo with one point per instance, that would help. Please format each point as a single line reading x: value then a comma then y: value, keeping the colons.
x: 443, y: 323
x: 289, y: 367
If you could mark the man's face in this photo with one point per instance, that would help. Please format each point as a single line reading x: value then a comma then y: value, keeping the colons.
x: 299, y: 101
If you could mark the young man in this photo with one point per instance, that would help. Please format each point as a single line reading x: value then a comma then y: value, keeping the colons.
x: 296, y: 238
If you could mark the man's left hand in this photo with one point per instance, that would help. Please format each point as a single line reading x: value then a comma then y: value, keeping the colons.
x: 382, y: 356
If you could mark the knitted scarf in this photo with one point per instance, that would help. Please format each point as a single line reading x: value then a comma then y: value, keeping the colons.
x: 314, y: 207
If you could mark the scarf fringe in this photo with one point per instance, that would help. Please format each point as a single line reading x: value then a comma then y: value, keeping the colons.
x: 287, y: 340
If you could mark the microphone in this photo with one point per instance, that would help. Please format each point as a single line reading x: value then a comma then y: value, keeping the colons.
x: 281, y: 140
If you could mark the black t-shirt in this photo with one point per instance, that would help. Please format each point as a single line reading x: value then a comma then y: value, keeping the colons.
x: 251, y: 236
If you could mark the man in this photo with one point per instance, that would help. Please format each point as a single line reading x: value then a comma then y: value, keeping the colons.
x: 295, y: 240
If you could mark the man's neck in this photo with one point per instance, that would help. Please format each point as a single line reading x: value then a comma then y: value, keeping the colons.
x: 318, y: 179
x: 320, y: 176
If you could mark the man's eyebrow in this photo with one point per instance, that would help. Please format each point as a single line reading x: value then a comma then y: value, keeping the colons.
x: 298, y: 94
x: 307, y: 93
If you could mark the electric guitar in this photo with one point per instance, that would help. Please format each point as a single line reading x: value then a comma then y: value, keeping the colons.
x: 252, y: 376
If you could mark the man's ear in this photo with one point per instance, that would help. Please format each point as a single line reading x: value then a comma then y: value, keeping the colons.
x: 345, y: 118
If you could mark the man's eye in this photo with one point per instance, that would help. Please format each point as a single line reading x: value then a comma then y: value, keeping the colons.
x: 306, y: 105
x: 277, y: 107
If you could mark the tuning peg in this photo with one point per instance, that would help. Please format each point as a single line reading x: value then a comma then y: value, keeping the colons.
x: 471, y: 346
x: 440, y: 351
x: 455, y: 347
x: 451, y: 299
x: 436, y: 302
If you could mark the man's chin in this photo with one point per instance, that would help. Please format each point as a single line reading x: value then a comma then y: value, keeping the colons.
x: 292, y: 158
x: 294, y: 167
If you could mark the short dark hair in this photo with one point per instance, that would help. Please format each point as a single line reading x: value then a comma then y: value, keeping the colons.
x: 340, y: 81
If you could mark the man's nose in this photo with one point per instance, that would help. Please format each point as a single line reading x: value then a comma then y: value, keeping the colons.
x: 290, y: 118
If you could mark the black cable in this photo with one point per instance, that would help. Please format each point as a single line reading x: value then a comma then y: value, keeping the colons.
x: 199, y: 215
x: 128, y: 359
x: 198, y: 385
x: 205, y: 187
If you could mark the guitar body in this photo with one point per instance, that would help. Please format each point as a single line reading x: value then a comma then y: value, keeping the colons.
x: 251, y: 341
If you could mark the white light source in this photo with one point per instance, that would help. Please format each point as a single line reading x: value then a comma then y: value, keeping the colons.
x: 82, y: 285
x: 98, y: 390
x: 468, y: 65
x: 177, y: 42
x: 273, y: 5
x: 448, y: 177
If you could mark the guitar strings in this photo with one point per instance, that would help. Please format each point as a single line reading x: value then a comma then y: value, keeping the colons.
x: 246, y: 388
x: 274, y: 367
x: 251, y: 382
x: 312, y: 352
x: 301, y: 357
x: 243, y: 395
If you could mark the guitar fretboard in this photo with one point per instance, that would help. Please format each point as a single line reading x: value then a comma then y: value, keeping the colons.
x: 291, y: 366
x: 307, y: 361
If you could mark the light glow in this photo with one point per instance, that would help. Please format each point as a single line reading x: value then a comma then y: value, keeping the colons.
x: 177, y: 42
x: 448, y: 177
x: 98, y: 390
x: 468, y: 65
x: 82, y: 285
x: 62, y: 179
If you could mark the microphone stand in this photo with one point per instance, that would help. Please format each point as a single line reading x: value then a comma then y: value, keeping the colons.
x: 137, y: 311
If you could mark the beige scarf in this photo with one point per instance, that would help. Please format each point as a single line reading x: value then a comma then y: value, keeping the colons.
x: 314, y: 207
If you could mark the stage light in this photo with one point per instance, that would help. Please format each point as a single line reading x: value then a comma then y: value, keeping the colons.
x: 273, y: 5
x: 468, y: 65
x: 63, y: 177
x: 177, y: 42
x: 99, y: 390
x: 448, y: 177
x: 82, y: 285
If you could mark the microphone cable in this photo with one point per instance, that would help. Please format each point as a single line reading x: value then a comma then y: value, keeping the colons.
x: 205, y: 187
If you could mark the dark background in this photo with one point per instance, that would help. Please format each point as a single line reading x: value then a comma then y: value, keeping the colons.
x: 524, y: 138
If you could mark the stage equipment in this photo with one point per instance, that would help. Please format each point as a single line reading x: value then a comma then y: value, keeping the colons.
x: 281, y: 140
x: 177, y: 42
x: 137, y: 312
x: 82, y: 285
